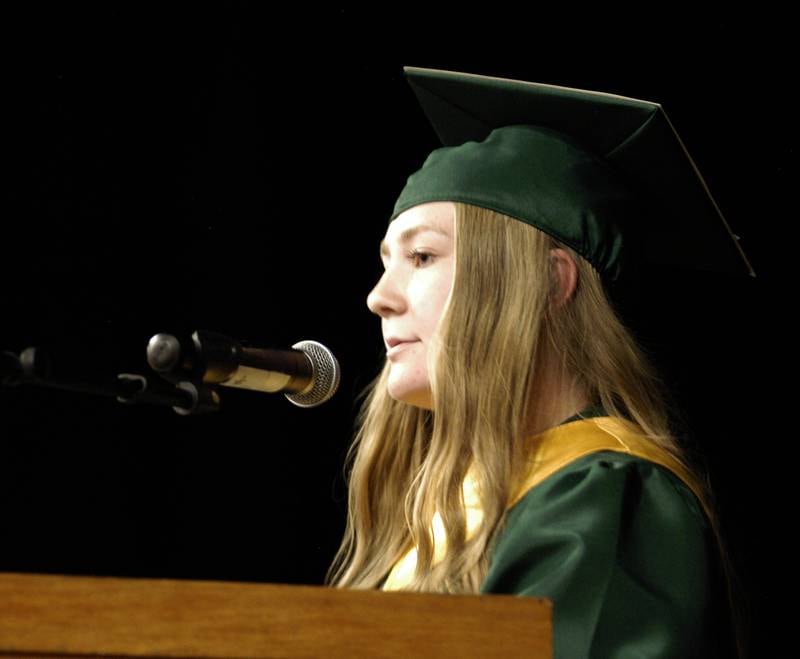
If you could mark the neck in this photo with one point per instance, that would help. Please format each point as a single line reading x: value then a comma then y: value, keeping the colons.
x: 555, y: 399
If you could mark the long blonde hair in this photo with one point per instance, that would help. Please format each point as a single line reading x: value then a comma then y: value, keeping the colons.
x: 495, y: 337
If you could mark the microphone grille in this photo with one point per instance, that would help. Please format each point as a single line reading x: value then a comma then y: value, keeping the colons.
x: 326, y: 375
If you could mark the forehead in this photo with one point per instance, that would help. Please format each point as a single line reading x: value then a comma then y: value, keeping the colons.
x: 437, y: 216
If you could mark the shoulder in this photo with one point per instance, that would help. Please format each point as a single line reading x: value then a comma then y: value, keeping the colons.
x: 606, y: 477
x: 563, y: 447
x: 612, y: 539
x: 609, y: 501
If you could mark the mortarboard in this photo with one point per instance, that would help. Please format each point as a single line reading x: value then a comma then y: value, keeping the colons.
x: 594, y: 170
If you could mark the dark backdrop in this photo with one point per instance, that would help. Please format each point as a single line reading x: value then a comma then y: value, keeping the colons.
x: 233, y: 170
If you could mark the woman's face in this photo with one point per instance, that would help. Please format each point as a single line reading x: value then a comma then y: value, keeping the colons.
x: 418, y: 260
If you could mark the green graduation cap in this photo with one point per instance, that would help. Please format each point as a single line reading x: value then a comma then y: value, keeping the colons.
x: 604, y: 174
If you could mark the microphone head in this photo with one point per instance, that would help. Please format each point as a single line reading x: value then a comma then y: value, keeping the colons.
x: 326, y: 375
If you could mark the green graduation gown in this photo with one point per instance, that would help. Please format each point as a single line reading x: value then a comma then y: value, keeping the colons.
x: 608, y: 529
x: 623, y: 549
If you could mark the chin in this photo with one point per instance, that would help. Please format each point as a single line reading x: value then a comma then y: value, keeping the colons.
x: 416, y: 397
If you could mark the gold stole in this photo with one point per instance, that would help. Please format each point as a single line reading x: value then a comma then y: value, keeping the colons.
x: 552, y: 450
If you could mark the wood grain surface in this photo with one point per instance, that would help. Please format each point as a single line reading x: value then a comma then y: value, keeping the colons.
x: 70, y: 616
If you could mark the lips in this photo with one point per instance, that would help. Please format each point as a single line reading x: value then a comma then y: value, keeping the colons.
x: 392, y: 341
x: 398, y: 347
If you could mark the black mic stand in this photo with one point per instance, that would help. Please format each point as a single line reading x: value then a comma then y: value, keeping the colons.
x: 185, y: 397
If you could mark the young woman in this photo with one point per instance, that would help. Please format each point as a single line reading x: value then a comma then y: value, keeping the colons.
x: 517, y: 439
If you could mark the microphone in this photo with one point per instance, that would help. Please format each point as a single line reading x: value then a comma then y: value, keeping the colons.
x: 309, y: 372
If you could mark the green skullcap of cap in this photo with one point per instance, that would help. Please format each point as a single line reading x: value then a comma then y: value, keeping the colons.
x: 606, y: 175
x: 540, y: 177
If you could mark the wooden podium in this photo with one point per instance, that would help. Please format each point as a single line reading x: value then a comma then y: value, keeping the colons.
x: 67, y: 616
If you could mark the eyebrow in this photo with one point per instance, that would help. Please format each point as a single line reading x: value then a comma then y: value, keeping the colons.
x: 408, y: 234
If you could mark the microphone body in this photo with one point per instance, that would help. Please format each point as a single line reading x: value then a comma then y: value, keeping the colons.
x: 308, y: 375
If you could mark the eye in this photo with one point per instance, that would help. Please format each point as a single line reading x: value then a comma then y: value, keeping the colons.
x: 425, y: 258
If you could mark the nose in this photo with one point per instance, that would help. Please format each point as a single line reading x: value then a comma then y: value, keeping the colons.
x: 385, y: 298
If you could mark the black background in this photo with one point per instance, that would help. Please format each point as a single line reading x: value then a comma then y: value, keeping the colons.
x: 232, y: 169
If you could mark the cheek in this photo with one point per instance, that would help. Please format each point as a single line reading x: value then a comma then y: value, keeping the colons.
x: 438, y: 297
x: 427, y: 296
